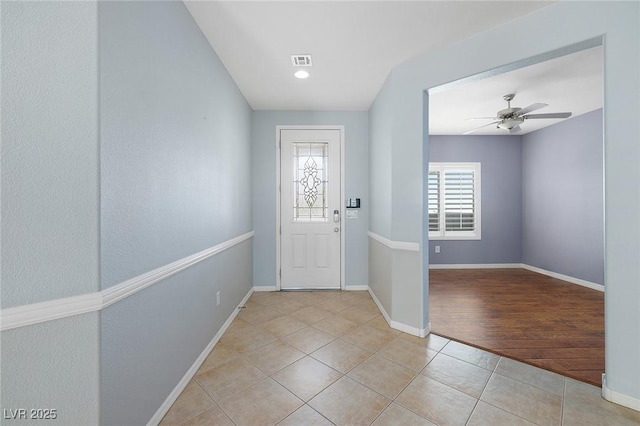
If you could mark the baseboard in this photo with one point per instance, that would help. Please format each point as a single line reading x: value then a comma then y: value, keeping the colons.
x: 264, y: 288
x: 182, y: 384
x: 357, y: 288
x: 618, y: 398
x: 414, y: 331
x: 382, y: 310
x: 274, y: 288
x: 476, y: 266
x: 567, y: 278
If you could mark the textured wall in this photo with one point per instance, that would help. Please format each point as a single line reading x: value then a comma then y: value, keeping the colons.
x: 151, y: 339
x: 563, y: 200
x: 396, y: 179
x: 380, y: 149
x: 264, y: 188
x: 175, y: 158
x: 49, y: 151
x: 176, y: 179
x: 542, y: 198
x: 50, y: 205
x: 380, y: 269
x: 501, y: 198
x: 53, y: 365
x: 558, y: 27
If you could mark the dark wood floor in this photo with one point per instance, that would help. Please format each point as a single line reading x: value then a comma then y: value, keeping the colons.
x: 523, y: 315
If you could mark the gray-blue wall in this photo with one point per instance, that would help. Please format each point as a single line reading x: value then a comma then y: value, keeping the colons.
x: 563, y: 199
x: 175, y: 157
x: 542, y: 198
x: 561, y: 26
x: 175, y: 180
x: 49, y: 69
x: 49, y: 151
x: 49, y: 211
x: 396, y: 274
x: 501, y: 186
x: 380, y: 150
x: 263, y: 159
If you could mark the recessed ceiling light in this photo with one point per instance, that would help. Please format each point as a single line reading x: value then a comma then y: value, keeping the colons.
x: 301, y: 74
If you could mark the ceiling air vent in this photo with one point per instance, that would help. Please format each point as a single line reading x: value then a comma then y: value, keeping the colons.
x: 301, y: 60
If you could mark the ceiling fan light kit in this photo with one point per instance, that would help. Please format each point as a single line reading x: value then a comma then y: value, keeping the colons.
x: 510, y: 123
x: 510, y: 118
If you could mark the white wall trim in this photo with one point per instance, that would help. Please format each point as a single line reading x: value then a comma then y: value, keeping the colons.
x: 419, y: 332
x: 396, y: 245
x: 583, y: 283
x: 34, y: 313
x: 127, y: 288
x: 260, y: 288
x: 414, y: 331
x: 476, y: 266
x: 182, y: 384
x: 357, y: 288
x: 619, y: 398
x: 567, y: 278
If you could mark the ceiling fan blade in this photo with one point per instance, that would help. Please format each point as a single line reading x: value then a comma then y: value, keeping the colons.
x: 478, y: 128
x: 550, y: 115
x: 530, y: 108
x: 514, y: 130
x: 482, y: 118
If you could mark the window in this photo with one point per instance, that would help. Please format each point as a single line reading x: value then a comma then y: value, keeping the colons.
x: 453, y: 201
x: 310, y: 181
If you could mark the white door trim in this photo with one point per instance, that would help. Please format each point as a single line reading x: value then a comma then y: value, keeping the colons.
x: 279, y: 128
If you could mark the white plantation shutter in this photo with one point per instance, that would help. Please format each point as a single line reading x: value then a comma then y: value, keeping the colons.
x: 459, y: 200
x: 434, y: 201
x: 454, y: 200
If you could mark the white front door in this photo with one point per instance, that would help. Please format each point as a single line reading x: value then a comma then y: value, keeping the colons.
x: 310, y: 214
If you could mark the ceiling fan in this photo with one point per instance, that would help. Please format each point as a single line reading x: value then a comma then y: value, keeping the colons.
x: 511, y: 118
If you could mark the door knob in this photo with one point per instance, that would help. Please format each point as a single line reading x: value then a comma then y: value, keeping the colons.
x: 336, y: 229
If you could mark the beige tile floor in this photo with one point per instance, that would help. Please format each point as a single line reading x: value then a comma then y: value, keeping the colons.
x: 323, y: 358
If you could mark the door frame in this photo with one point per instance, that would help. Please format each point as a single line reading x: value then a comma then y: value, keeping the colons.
x: 343, y: 221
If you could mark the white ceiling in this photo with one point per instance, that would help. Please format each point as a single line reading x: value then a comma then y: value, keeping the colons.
x: 571, y: 83
x: 355, y: 44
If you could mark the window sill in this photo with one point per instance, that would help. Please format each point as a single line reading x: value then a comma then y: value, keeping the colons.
x: 454, y: 238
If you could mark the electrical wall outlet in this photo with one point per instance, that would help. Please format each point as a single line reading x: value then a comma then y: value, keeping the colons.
x: 437, y: 249
x: 218, y: 298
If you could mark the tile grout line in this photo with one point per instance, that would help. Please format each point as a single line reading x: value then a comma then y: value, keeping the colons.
x: 342, y: 374
x: 368, y: 323
x: 370, y: 354
x: 269, y: 376
x: 394, y: 400
x: 506, y: 409
x: 391, y: 400
x: 197, y: 414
